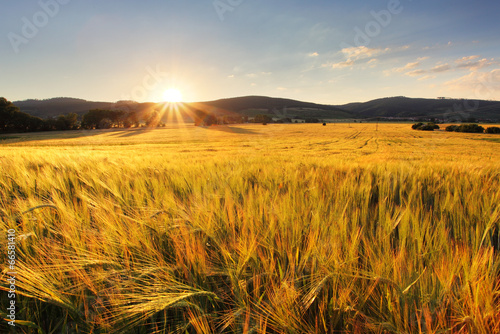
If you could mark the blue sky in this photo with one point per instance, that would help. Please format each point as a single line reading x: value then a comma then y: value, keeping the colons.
x: 321, y: 51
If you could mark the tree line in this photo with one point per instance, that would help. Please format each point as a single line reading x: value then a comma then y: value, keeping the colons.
x: 12, y: 119
x: 468, y: 128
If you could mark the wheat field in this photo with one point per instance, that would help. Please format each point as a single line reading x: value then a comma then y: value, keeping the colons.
x: 297, y: 228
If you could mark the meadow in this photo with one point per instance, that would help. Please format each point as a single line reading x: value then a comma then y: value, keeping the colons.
x: 297, y: 228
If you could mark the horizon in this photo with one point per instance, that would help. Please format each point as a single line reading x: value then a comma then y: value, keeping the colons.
x: 325, y: 53
x: 260, y: 96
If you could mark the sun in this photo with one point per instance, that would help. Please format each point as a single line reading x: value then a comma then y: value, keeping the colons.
x: 172, y: 95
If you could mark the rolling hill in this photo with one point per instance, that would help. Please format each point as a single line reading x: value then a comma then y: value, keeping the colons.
x: 404, y: 107
x: 391, y: 108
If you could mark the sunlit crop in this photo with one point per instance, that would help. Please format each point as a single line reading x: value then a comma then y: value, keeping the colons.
x: 355, y: 228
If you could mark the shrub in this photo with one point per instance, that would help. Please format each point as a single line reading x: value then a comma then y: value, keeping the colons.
x: 492, y: 129
x: 263, y: 119
x: 425, y: 127
x: 417, y: 125
x: 470, y: 128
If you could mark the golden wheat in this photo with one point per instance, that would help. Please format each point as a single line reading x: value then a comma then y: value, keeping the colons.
x: 352, y: 228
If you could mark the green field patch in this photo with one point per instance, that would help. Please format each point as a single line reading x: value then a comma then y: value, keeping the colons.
x: 8, y: 137
x: 495, y: 140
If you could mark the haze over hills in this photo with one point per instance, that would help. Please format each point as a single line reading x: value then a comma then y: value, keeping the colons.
x: 442, y: 108
x: 391, y: 108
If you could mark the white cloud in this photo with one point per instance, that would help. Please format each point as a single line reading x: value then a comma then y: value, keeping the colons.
x: 426, y: 77
x: 256, y: 75
x: 314, y: 54
x: 361, y: 52
x: 355, y: 55
x: 437, y: 46
x: 441, y: 68
x: 413, y: 65
x: 472, y: 64
x: 373, y: 62
x: 466, y: 59
x: 347, y: 63
x: 415, y: 73
x: 409, y: 66
x: 482, y: 85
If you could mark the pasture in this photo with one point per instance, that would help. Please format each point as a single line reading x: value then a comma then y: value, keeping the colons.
x: 297, y: 228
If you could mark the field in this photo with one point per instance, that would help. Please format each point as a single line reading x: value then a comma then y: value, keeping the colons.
x: 300, y: 228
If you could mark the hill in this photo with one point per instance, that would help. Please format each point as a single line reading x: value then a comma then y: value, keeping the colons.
x: 446, y: 109
x: 391, y: 108
x: 247, y: 106
x: 59, y: 106
x: 277, y: 107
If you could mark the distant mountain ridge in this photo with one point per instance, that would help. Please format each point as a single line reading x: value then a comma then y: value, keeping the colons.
x: 404, y: 107
x: 59, y: 106
x: 391, y: 108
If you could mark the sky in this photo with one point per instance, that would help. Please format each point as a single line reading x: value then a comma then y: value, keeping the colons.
x: 330, y: 52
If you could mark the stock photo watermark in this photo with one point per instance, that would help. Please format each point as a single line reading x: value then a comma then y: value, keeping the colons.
x: 150, y: 82
x: 224, y: 6
x: 486, y: 88
x: 11, y: 276
x: 31, y: 26
x: 373, y: 28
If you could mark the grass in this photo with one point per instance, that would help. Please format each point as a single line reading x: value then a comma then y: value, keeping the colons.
x: 495, y: 140
x: 277, y: 229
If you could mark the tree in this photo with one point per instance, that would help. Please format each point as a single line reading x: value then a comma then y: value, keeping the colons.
x: 71, y: 120
x: 417, y: 125
x: 131, y: 118
x: 12, y: 119
x: 470, y: 128
x: 7, y: 111
x: 67, y: 122
x: 263, y: 119
x: 92, y: 119
x: 493, y: 129
x: 204, y: 119
x: 425, y: 127
x: 105, y: 123
x: 153, y: 119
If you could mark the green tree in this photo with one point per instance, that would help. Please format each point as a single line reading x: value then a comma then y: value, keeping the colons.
x: 262, y: 119
x: 13, y: 120
x: 425, y: 127
x: 7, y: 112
x: 492, y: 129
x: 471, y: 128
x: 105, y: 123
x: 92, y: 119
